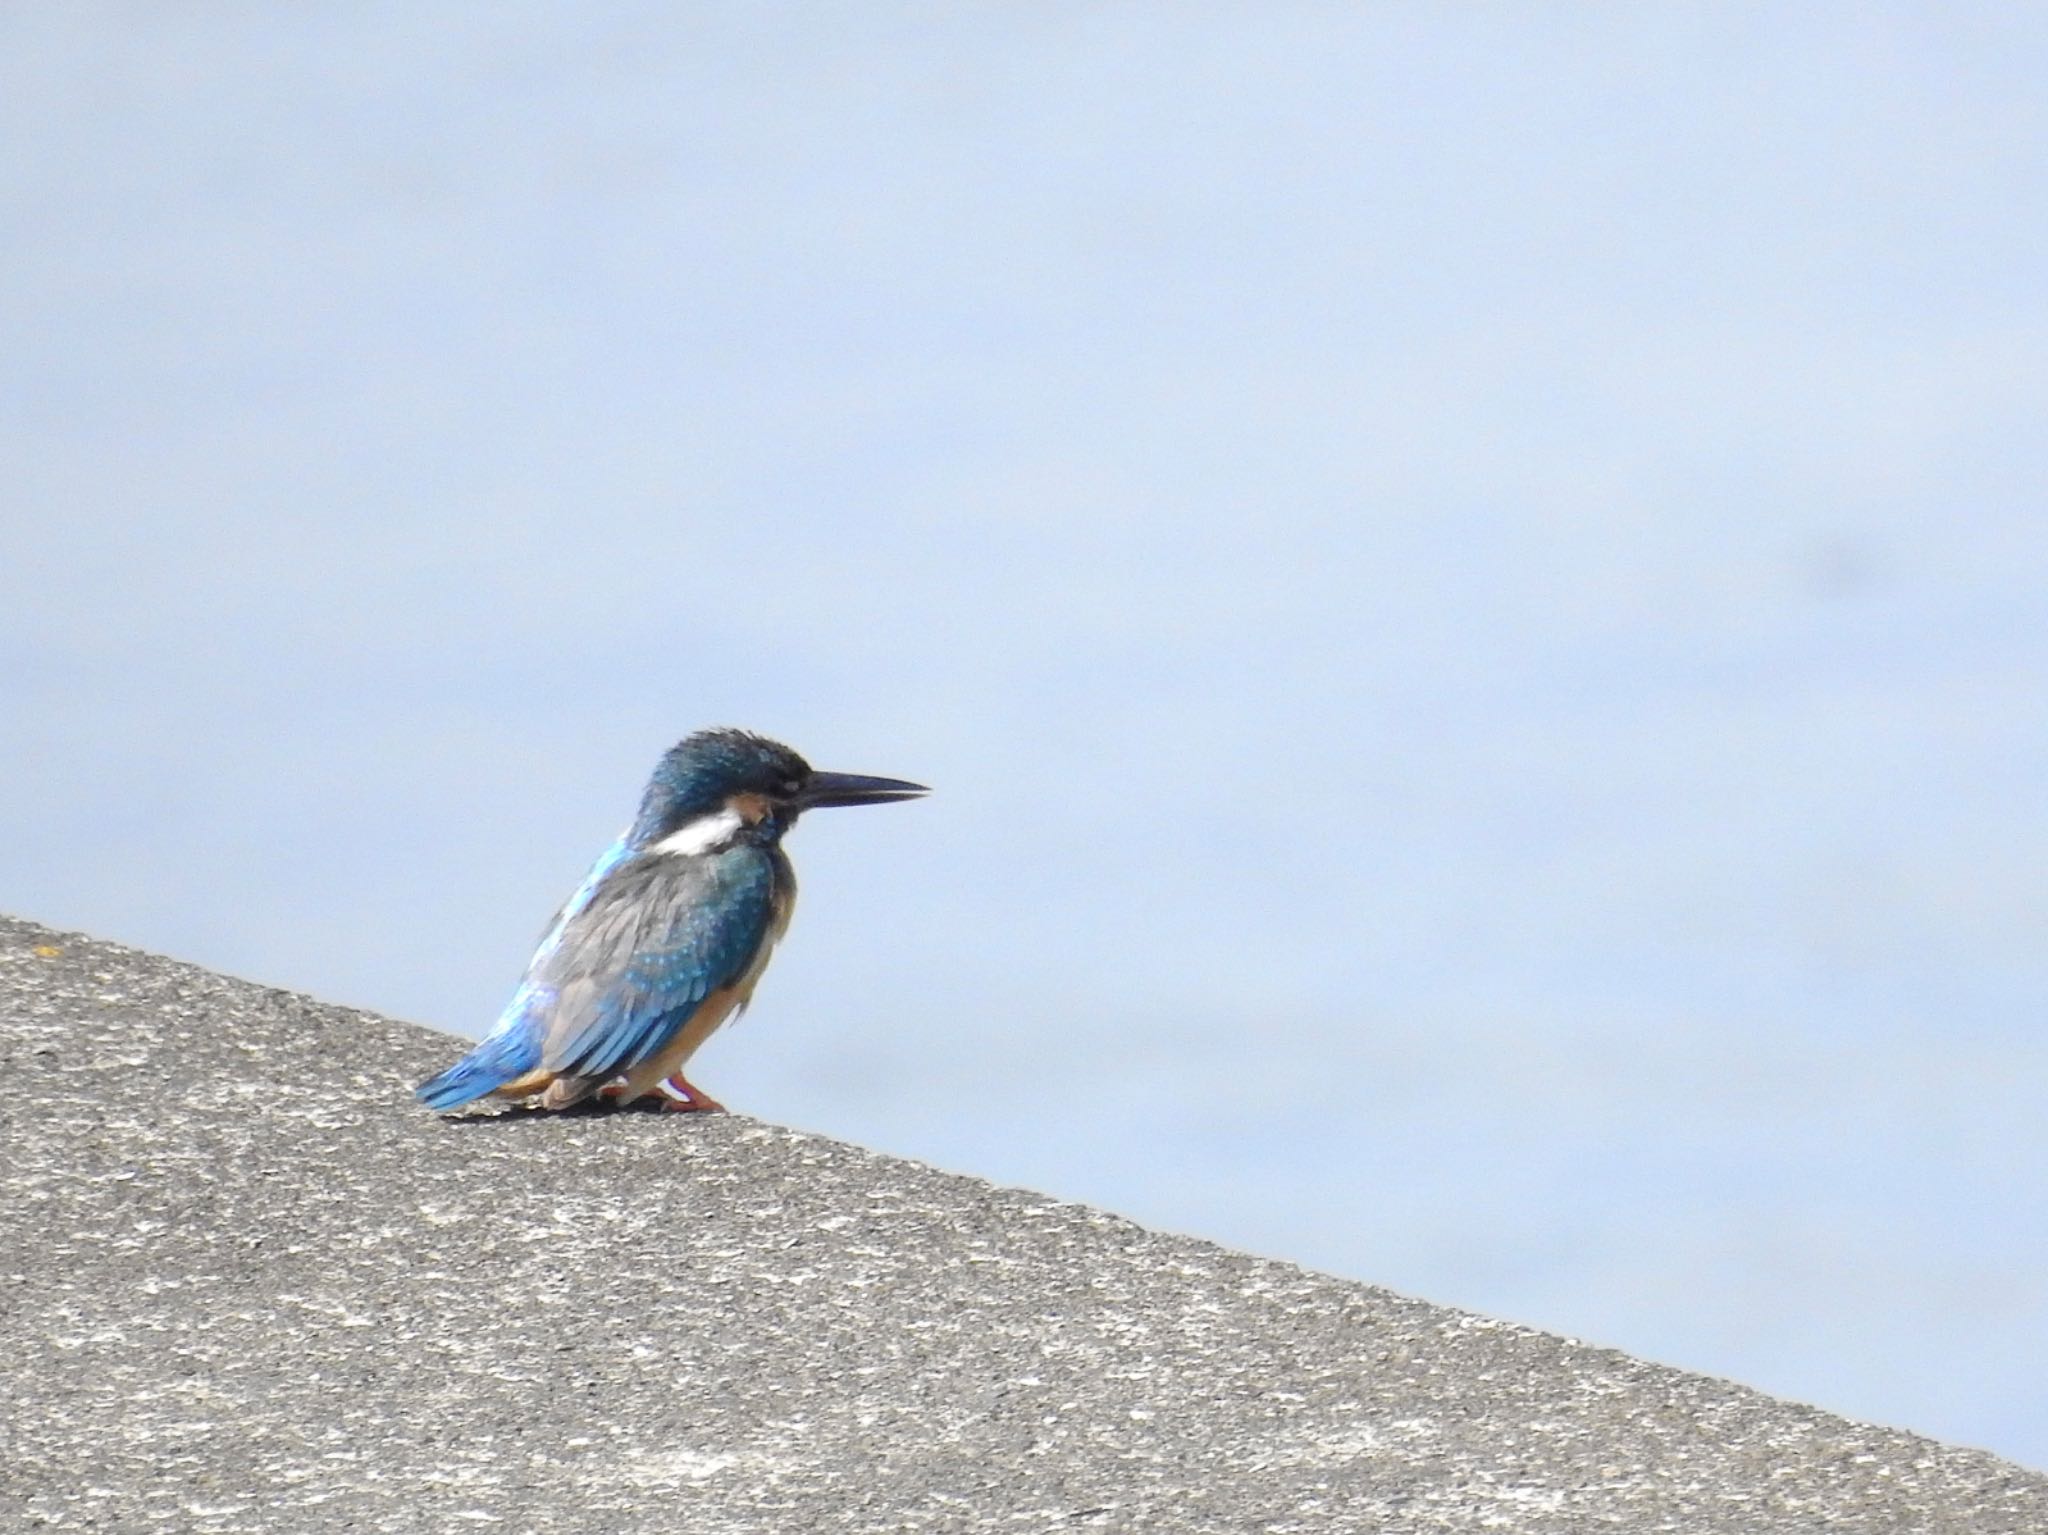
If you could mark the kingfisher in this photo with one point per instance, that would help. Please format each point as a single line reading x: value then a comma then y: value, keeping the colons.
x: 667, y: 935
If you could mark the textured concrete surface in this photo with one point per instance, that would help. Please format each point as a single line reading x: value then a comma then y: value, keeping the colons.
x: 247, y: 1285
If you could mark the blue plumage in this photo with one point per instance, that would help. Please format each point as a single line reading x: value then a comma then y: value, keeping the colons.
x: 505, y: 1054
x: 667, y: 934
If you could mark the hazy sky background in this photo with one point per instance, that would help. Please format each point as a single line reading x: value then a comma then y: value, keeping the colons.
x: 1471, y: 581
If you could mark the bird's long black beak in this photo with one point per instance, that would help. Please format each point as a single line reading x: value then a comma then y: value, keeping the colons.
x: 823, y: 789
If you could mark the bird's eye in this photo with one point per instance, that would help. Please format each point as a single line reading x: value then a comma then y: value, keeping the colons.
x: 790, y: 788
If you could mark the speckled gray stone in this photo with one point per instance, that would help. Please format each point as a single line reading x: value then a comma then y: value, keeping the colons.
x: 248, y: 1285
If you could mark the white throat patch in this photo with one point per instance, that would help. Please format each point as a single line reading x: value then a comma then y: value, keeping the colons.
x: 706, y: 834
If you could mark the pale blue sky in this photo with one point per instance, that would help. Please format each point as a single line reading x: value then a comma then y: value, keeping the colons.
x: 1470, y: 585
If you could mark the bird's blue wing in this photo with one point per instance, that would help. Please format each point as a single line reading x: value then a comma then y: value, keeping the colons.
x: 513, y: 1046
x: 656, y: 936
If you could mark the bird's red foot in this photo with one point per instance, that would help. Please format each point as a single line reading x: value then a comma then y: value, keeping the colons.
x: 679, y: 1097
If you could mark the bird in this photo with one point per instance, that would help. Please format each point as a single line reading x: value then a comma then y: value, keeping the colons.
x: 666, y: 937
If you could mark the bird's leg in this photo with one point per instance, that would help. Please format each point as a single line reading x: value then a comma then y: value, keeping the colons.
x: 682, y: 1097
x: 678, y: 1094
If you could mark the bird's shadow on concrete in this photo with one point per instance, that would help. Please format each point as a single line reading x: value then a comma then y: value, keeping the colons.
x: 524, y: 1113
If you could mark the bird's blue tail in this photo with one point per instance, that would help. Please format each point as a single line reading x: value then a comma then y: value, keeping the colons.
x: 498, y: 1060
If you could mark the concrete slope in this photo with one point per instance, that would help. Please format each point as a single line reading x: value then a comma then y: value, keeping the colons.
x: 247, y: 1285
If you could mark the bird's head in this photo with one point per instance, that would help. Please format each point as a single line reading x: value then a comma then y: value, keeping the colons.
x: 719, y: 787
